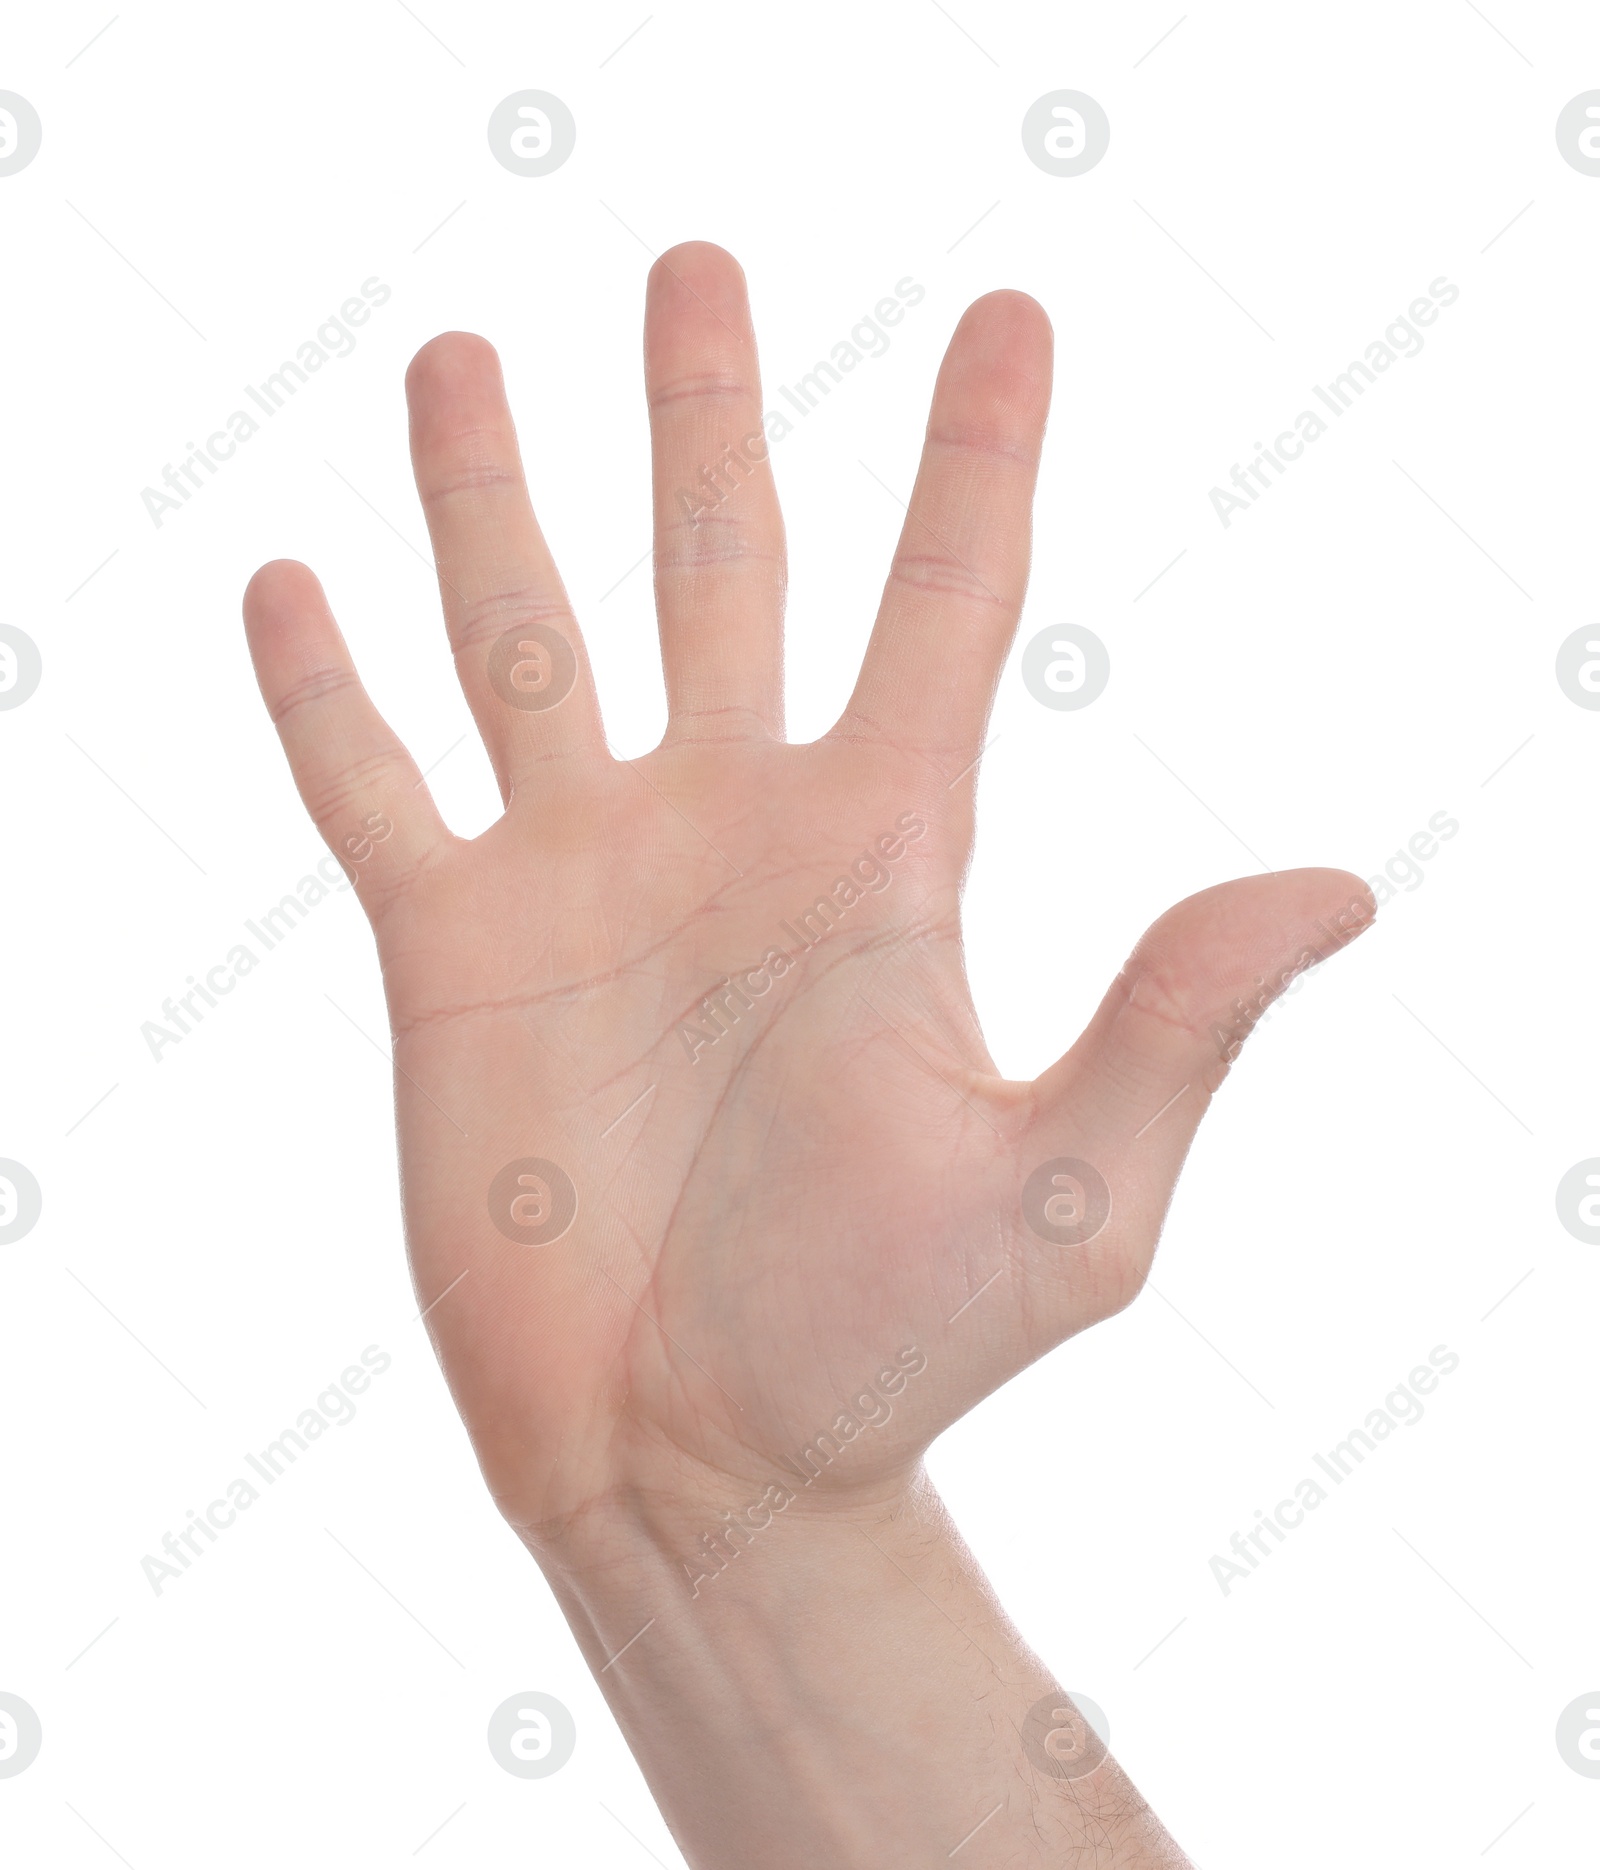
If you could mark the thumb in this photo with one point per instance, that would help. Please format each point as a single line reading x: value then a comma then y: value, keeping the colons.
x: 1128, y: 1097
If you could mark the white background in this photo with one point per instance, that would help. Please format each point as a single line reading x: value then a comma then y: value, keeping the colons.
x: 1366, y: 647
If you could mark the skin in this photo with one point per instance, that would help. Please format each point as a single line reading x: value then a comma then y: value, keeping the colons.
x: 798, y: 1207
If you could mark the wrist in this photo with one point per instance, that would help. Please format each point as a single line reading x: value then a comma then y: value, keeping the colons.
x: 673, y: 1534
x: 856, y: 1638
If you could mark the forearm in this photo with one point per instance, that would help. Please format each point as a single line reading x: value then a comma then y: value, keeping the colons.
x: 846, y: 1691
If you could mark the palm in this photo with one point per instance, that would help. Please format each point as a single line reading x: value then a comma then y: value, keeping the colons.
x: 784, y: 1183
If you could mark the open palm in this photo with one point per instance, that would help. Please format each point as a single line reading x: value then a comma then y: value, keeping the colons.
x: 700, y: 1141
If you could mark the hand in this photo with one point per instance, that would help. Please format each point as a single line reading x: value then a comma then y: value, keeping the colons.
x: 717, y: 1201
x: 774, y: 1200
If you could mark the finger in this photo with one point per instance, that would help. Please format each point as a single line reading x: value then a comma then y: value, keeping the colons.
x: 518, y: 651
x: 955, y: 589
x: 1129, y: 1096
x: 718, y: 532
x: 359, y: 784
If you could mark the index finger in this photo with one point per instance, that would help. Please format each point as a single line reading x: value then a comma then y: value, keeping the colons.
x: 956, y: 584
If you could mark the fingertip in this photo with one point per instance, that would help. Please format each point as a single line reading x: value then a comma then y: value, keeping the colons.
x: 1196, y: 955
x: 289, y: 626
x: 451, y: 358
x: 694, y: 261
x: 1008, y: 332
x: 455, y: 398
x: 1358, y: 895
x: 280, y: 584
x: 1336, y: 899
x: 700, y: 284
x: 1009, y: 307
x: 995, y: 381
